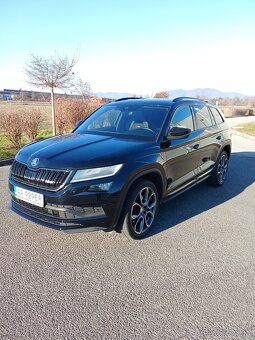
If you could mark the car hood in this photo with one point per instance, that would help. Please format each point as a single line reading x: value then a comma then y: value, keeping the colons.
x: 77, y: 151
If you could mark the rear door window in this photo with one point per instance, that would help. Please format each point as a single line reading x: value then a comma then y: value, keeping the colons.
x: 202, y: 117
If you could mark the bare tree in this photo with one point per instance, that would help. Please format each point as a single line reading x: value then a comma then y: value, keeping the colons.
x: 83, y: 88
x: 51, y: 73
x: 162, y: 94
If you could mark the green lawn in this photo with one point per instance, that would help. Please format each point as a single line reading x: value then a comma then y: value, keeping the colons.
x: 8, y: 151
x: 248, y: 128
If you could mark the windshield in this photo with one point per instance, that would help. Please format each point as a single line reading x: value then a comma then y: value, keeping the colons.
x: 141, y: 121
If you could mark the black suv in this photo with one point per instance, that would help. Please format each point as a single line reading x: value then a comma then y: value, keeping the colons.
x: 119, y: 164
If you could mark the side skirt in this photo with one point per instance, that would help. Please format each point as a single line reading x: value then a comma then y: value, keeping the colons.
x: 185, y: 187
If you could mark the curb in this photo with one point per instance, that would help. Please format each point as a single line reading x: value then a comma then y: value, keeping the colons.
x: 242, y: 134
x: 6, y: 162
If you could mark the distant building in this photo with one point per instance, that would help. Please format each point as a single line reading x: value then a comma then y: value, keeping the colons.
x: 24, y: 95
x: 6, y: 95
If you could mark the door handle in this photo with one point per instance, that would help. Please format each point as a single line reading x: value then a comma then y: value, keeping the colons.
x: 196, y: 146
x: 192, y: 147
x: 219, y: 137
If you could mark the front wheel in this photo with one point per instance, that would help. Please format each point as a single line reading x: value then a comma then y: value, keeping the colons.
x: 220, y: 170
x: 140, y: 209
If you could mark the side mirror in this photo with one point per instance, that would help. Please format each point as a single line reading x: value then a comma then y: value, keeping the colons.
x: 79, y: 122
x: 178, y: 132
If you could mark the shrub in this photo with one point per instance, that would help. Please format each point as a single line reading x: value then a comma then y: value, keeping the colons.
x: 12, y: 124
x: 69, y: 111
x: 31, y: 122
x: 240, y: 111
x: 235, y: 111
x: 162, y: 94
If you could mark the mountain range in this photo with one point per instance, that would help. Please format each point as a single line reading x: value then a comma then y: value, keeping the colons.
x: 199, y: 92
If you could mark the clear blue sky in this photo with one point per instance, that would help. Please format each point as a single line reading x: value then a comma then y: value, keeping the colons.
x: 134, y: 46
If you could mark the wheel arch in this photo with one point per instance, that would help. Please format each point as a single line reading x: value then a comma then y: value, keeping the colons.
x: 154, y: 175
x: 226, y: 148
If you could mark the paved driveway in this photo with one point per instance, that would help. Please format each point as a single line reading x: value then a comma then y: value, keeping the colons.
x: 193, y: 278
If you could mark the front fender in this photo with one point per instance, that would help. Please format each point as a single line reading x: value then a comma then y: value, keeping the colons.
x: 143, y: 170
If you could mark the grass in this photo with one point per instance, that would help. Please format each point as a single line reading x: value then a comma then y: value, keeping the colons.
x: 8, y: 151
x: 248, y: 129
x: 43, y: 134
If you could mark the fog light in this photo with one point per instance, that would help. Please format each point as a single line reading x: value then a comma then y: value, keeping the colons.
x: 100, y: 187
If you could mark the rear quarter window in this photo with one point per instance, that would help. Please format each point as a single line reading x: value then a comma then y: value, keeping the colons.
x: 216, y: 115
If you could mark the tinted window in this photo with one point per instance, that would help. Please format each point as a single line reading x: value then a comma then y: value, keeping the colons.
x: 182, y: 117
x: 124, y: 119
x: 217, y: 116
x: 105, y: 120
x: 202, y: 117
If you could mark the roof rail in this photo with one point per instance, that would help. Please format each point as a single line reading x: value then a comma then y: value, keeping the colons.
x: 126, y: 98
x: 188, y: 98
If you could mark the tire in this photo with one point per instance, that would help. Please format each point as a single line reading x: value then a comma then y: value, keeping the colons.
x: 140, y: 209
x: 219, y: 173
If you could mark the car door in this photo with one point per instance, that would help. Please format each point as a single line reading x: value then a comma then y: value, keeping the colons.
x: 210, y: 137
x: 181, y: 155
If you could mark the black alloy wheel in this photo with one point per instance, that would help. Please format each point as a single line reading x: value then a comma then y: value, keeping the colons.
x: 140, y: 209
x: 219, y: 173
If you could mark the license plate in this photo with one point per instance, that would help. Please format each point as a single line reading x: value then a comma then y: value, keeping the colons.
x: 29, y: 196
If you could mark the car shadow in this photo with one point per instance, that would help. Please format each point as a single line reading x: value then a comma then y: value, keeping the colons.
x: 203, y: 197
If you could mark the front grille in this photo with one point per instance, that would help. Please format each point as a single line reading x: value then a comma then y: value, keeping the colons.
x: 44, y: 218
x: 42, y: 178
x: 62, y: 211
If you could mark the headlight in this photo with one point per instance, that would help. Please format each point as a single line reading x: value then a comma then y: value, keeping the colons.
x: 88, y: 174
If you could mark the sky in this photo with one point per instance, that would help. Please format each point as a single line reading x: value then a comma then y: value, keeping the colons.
x: 134, y: 46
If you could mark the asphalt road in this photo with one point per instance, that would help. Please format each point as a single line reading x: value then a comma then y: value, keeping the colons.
x: 193, y: 278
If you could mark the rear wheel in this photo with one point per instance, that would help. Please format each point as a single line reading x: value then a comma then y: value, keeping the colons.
x: 140, y: 209
x: 220, y: 170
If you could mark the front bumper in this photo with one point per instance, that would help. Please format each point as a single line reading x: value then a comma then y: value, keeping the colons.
x: 71, y: 209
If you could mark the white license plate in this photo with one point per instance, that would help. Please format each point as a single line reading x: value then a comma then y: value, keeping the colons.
x: 29, y: 196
